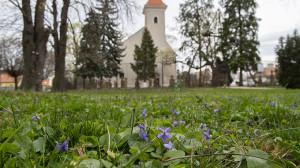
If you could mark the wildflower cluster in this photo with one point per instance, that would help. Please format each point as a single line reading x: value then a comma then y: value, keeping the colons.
x: 175, y: 112
x: 272, y: 104
x: 63, y: 146
x: 143, y: 133
x: 293, y: 105
x: 144, y: 115
x: 202, y: 126
x: 175, y: 124
x: 35, y: 117
x: 248, y: 136
x: 206, y: 133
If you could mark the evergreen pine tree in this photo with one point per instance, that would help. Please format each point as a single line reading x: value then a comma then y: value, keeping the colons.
x: 288, y: 52
x: 101, y: 41
x: 239, y: 39
x: 110, y: 40
x: 144, y: 57
x: 89, y: 45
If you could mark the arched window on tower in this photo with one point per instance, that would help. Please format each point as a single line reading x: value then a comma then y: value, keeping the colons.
x: 155, y: 20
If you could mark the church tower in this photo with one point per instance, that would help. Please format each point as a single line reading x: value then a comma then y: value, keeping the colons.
x: 154, y: 12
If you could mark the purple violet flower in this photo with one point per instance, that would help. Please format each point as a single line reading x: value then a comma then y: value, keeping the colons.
x: 251, y: 123
x: 217, y: 111
x: 175, y: 112
x: 272, y: 104
x: 63, y: 146
x: 164, y: 136
x: 204, y: 106
x: 142, y: 127
x: 140, y: 163
x: 206, y: 134
x: 180, y: 138
x: 35, y: 117
x: 293, y: 107
x: 143, y: 133
x: 169, y: 146
x: 202, y: 126
x: 144, y: 115
x: 175, y: 124
x: 229, y: 98
x: 182, y: 122
x: 248, y: 136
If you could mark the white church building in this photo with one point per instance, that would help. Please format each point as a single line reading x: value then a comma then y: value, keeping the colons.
x: 154, y: 12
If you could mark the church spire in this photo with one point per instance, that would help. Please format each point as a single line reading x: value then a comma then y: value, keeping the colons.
x: 155, y: 3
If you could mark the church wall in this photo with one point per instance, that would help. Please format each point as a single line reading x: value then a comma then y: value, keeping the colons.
x: 129, y: 46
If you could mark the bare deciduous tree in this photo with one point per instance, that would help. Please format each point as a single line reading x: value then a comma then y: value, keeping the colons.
x: 11, y: 58
x: 34, y: 40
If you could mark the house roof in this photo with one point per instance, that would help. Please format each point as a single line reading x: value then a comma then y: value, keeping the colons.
x: 46, y: 82
x: 155, y: 3
x: 5, y: 78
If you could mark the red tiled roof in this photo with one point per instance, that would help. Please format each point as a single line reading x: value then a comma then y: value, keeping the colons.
x: 5, y: 78
x: 155, y: 3
x: 46, y: 82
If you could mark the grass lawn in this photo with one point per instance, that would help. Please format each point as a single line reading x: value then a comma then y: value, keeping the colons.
x: 151, y: 128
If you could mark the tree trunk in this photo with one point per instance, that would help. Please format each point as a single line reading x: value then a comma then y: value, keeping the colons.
x: 240, y: 44
x: 60, y: 45
x: 16, y: 82
x: 83, y: 83
x: 200, y: 74
x: 34, y: 45
x: 241, y: 77
x: 34, y: 41
x: 189, y: 77
x: 28, y: 45
x: 200, y: 61
x: 41, y: 36
x: 75, y: 82
x: 90, y: 86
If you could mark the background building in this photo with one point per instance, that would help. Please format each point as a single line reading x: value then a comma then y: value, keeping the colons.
x: 154, y: 12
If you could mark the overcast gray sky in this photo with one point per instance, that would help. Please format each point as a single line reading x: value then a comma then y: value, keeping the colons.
x: 278, y: 18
